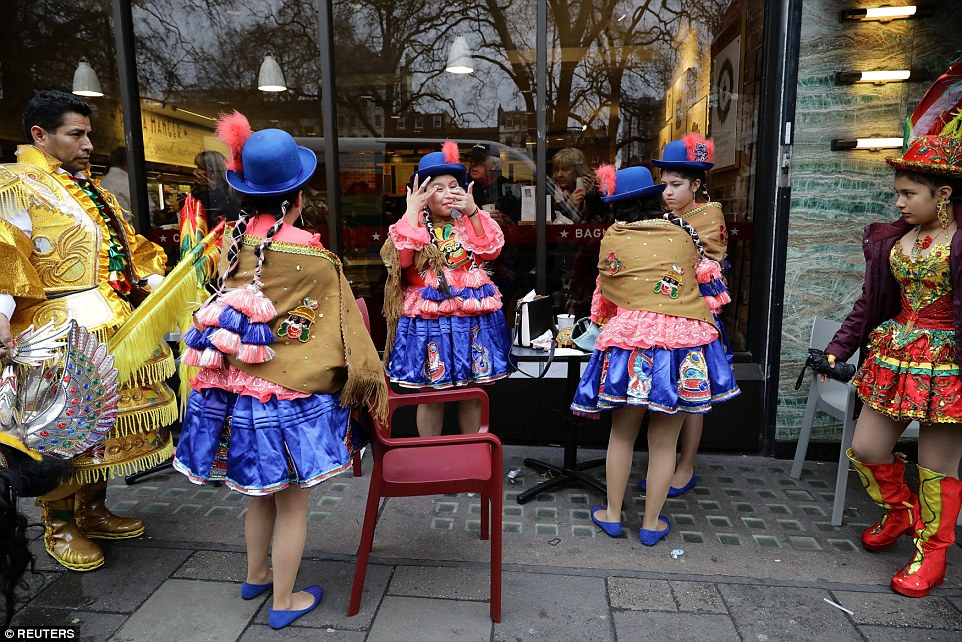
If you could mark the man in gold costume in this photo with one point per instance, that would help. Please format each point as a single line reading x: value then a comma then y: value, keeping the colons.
x: 67, y: 252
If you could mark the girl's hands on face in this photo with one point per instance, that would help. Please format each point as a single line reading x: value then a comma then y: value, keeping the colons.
x: 417, y: 198
x: 463, y: 201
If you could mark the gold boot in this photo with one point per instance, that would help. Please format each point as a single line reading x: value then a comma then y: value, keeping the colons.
x: 95, y: 521
x: 63, y: 540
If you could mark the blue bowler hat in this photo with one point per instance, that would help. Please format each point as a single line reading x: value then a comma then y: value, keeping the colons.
x: 633, y: 183
x: 440, y: 164
x: 691, y: 152
x: 272, y: 164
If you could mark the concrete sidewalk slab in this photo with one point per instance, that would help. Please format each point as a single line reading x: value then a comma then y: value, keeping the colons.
x: 402, y: 619
x: 766, y: 613
x: 891, y: 609
x: 667, y: 627
x: 548, y: 606
x: 91, y: 625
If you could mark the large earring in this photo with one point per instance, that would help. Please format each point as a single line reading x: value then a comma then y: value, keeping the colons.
x: 942, y: 208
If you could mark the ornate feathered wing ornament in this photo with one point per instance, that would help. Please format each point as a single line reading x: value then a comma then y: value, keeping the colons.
x: 58, y: 392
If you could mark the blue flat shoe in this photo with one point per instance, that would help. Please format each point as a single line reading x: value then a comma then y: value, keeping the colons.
x: 650, y: 538
x: 250, y: 591
x: 612, y: 528
x: 279, y: 619
x: 672, y: 491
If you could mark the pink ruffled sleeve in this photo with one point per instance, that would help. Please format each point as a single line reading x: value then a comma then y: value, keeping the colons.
x: 406, y: 237
x: 601, y: 308
x: 486, y: 247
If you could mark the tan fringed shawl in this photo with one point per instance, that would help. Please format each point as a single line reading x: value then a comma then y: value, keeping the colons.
x: 709, y: 221
x: 338, y: 354
x: 650, y: 265
x: 424, y: 259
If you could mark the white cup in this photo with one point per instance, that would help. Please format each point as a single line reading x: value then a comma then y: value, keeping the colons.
x: 566, y: 321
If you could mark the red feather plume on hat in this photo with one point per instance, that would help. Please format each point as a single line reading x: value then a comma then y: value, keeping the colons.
x: 234, y: 129
x: 699, y: 148
x: 451, y: 152
x: 939, y: 107
x: 606, y: 175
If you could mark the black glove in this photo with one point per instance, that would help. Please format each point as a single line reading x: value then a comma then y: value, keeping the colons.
x: 818, y: 362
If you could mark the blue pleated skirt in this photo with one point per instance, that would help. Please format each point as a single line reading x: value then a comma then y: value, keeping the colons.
x: 258, y: 448
x: 664, y: 380
x: 450, y: 351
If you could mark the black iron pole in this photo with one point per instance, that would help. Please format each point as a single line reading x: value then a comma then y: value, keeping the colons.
x: 329, y: 117
x: 541, y: 149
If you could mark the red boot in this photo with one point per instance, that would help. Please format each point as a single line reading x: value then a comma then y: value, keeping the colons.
x: 939, y: 501
x: 885, y: 484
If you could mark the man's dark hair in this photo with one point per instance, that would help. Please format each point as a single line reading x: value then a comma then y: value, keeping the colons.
x: 47, y: 109
x: 933, y: 181
x: 118, y: 157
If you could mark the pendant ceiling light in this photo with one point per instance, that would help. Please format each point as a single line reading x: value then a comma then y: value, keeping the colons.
x: 459, y: 57
x: 85, y: 81
x: 270, y: 77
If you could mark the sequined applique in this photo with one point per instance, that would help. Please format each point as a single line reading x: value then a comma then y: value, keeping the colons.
x: 925, y: 281
x: 299, y: 321
x: 454, y: 253
x: 433, y: 367
x: 639, y: 383
x: 218, y: 469
x: 693, y: 385
x: 605, y: 363
x: 480, y: 356
x: 613, y: 264
x: 670, y: 281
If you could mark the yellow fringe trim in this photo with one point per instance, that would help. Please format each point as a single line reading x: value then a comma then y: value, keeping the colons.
x: 156, y: 371
x: 105, y: 472
x: 156, y: 417
x: 103, y: 333
x: 136, y: 340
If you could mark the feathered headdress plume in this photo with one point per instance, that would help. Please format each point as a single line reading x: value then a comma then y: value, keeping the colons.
x: 699, y: 148
x: 451, y: 152
x: 605, y: 175
x: 939, y: 110
x: 234, y: 129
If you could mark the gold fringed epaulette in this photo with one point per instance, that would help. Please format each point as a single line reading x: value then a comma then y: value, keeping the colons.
x: 136, y: 340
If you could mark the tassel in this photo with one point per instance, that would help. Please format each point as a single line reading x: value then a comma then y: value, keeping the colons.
x: 205, y: 337
x: 226, y: 341
x: 258, y: 334
x: 707, y: 270
x: 251, y: 353
x: 252, y: 302
x: 209, y: 315
x: 191, y: 357
x: 472, y: 306
x: 449, y: 306
x: 233, y: 320
x: 193, y: 338
x: 473, y: 279
x: 431, y: 294
x: 211, y: 358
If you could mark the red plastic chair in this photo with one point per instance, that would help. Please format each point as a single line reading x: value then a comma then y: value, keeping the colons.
x: 417, y: 466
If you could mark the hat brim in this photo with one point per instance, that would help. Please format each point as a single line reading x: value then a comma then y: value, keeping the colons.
x: 682, y: 164
x: 457, y: 170
x: 924, y: 168
x: 654, y: 190
x: 308, y: 164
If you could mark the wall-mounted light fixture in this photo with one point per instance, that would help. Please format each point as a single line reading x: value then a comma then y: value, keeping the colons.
x: 85, y: 81
x: 845, y: 144
x: 459, y: 57
x: 270, y: 78
x: 880, y: 14
x: 877, y: 77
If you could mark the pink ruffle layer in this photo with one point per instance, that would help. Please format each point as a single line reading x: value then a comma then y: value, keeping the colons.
x: 642, y: 329
x: 233, y: 380
x: 406, y: 237
x: 415, y: 306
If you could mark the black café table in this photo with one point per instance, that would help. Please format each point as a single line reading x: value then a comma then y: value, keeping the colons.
x: 571, y: 471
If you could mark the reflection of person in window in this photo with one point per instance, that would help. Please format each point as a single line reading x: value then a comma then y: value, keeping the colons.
x: 212, y: 190
x: 492, y: 191
x: 573, y: 191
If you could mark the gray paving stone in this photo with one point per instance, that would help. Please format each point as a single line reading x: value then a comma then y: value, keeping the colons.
x: 403, y: 619
x: 698, y: 597
x: 127, y: 578
x: 214, y: 565
x: 633, y: 594
x: 260, y: 633
x: 785, y: 614
x: 632, y: 625
x: 336, y: 579
x: 33, y: 584
x: 190, y: 610
x: 442, y: 582
x: 91, y: 626
x: 887, y: 634
x: 539, y: 606
x: 890, y: 609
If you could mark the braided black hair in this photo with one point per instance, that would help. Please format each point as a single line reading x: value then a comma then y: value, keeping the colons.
x: 685, y: 225
x: 276, y: 205
x: 640, y: 209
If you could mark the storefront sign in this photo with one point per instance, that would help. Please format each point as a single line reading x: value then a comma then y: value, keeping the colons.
x: 172, y: 141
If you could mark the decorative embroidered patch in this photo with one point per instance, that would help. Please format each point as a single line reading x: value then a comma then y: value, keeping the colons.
x: 480, y: 356
x: 639, y: 383
x: 693, y: 386
x: 605, y: 362
x: 299, y: 321
x: 670, y: 282
x: 723, y: 234
x: 454, y: 253
x: 433, y: 368
x: 613, y: 264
